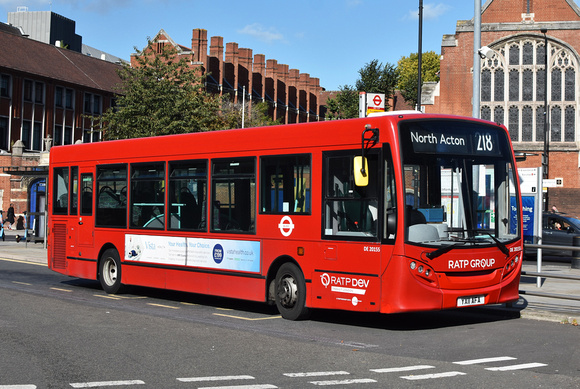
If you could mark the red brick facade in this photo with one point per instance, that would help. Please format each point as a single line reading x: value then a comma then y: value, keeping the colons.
x: 293, y: 97
x: 46, y: 93
x: 512, y: 83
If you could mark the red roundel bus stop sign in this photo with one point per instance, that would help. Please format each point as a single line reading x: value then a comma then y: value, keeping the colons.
x: 375, y: 102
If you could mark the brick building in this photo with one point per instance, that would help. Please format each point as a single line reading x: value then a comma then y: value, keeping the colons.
x: 293, y: 97
x: 513, y: 83
x: 45, y: 93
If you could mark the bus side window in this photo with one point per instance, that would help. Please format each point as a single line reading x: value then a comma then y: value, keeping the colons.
x: 87, y: 194
x: 74, y: 183
x: 148, y: 195
x: 60, y: 191
x: 285, y: 184
x: 390, y: 197
x: 187, y: 195
x: 111, y: 209
x: 233, y: 195
x: 350, y: 210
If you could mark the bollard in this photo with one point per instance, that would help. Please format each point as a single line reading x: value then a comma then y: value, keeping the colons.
x: 576, y: 254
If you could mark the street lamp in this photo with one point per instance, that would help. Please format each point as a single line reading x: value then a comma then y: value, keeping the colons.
x: 476, y: 97
x: 420, y: 55
x: 546, y: 154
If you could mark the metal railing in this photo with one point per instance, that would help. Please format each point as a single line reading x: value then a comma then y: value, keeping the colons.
x: 546, y: 294
x: 539, y: 274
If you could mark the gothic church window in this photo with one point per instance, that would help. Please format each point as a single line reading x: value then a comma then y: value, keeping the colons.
x: 513, y: 86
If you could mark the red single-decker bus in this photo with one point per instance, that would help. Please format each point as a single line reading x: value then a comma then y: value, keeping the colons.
x: 394, y: 213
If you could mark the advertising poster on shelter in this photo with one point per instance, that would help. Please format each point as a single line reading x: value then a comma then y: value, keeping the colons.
x: 528, y: 204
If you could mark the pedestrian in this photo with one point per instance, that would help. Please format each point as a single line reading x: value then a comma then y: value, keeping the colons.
x: 2, y: 226
x: 10, y: 217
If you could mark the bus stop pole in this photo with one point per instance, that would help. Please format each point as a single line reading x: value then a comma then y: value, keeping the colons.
x: 539, y: 222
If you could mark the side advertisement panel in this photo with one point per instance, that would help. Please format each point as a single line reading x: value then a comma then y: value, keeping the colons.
x: 222, y: 254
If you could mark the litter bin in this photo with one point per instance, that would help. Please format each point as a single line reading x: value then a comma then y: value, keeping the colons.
x: 575, y: 253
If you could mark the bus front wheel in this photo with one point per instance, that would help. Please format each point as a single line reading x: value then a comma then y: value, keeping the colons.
x: 291, y: 292
x: 110, y: 271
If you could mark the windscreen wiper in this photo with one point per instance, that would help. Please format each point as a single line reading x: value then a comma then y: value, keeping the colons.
x: 503, y: 248
x: 442, y: 250
x: 500, y: 245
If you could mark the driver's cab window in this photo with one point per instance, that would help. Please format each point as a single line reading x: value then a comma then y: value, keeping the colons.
x: 350, y: 210
x: 425, y: 196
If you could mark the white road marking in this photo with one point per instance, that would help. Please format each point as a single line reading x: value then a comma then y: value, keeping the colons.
x: 432, y: 376
x: 484, y: 360
x: 316, y: 374
x: 216, y: 378
x: 106, y: 383
x: 17, y: 386
x: 344, y: 382
x: 517, y: 367
x: 265, y: 386
x: 404, y: 368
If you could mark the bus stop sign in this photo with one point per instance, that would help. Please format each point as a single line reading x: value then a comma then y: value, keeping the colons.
x: 371, y: 102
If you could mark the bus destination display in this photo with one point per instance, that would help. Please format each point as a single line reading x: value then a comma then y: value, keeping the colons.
x: 453, y: 142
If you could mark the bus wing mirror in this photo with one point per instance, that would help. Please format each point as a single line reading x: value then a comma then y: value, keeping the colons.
x: 361, y: 165
x: 391, y: 223
x: 361, y: 171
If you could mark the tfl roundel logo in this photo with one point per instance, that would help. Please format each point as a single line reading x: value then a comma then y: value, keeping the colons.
x: 218, y: 253
x: 286, y: 226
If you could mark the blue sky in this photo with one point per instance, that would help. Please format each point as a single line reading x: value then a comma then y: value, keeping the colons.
x: 328, y: 39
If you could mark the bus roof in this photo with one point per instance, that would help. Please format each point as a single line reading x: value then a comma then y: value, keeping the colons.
x: 285, y: 138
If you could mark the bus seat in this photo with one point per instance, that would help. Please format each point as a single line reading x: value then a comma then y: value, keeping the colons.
x: 443, y: 230
x: 414, y: 216
x: 423, y: 233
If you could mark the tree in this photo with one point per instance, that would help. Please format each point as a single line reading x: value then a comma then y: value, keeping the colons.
x: 376, y: 78
x: 344, y: 105
x: 256, y: 117
x: 408, y: 74
x: 160, y: 96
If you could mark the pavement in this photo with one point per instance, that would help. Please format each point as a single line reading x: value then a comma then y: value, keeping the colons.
x: 533, y: 303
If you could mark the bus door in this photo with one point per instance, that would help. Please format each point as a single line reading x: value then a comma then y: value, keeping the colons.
x: 86, y: 221
x: 349, y: 274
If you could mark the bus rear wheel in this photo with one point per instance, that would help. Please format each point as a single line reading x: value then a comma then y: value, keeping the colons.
x: 110, y: 271
x: 291, y: 292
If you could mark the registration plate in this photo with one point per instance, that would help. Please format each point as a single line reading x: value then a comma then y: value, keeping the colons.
x: 470, y: 300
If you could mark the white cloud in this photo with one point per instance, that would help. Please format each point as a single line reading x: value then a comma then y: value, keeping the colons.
x: 430, y: 11
x: 433, y: 11
x: 62, y: 6
x: 34, y: 5
x: 259, y: 32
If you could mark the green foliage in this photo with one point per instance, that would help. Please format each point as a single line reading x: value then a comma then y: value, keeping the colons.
x: 160, y: 96
x: 344, y: 105
x: 408, y: 73
x: 376, y: 78
x: 256, y: 117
